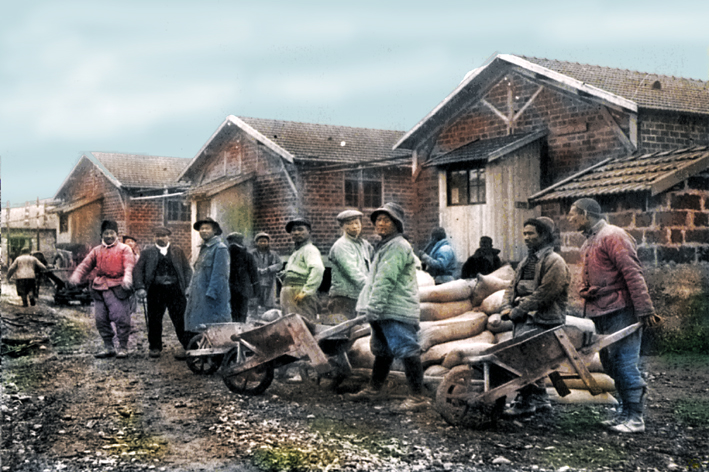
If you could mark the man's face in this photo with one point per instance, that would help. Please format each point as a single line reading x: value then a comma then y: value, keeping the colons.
x: 485, y: 244
x: 162, y: 240
x: 262, y: 244
x: 578, y: 219
x: 131, y: 244
x: 206, y: 231
x: 109, y: 237
x: 299, y: 233
x: 384, y: 226
x: 353, y: 227
x: 531, y: 237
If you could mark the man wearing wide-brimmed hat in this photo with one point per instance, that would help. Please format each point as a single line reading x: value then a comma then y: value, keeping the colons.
x: 208, y: 294
x: 303, y: 273
x: 162, y: 275
x: 111, y: 289
x: 350, y: 257
x: 390, y: 300
x: 268, y: 264
x: 536, y: 300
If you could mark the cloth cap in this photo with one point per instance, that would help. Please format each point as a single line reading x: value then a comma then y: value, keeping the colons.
x: 262, y: 235
x: 215, y: 225
x: 162, y: 231
x: 127, y: 236
x: 298, y: 221
x: 109, y: 224
x: 348, y: 215
x: 590, y: 206
x: 235, y: 237
x: 545, y: 226
x: 394, y: 211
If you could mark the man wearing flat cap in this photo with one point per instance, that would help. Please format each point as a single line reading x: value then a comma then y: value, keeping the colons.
x: 111, y: 289
x: 162, y: 275
x: 390, y: 300
x: 243, y: 277
x: 208, y: 294
x: 537, y: 299
x: 303, y: 273
x: 615, y: 296
x: 268, y: 264
x: 350, y: 257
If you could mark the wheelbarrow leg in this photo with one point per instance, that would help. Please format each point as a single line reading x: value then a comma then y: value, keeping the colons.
x: 576, y: 361
x: 308, y: 345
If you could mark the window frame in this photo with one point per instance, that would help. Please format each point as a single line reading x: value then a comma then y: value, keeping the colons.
x: 362, y: 196
x: 476, y: 169
x: 186, y: 214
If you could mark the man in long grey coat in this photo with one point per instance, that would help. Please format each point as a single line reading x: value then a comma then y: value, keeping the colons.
x: 208, y: 294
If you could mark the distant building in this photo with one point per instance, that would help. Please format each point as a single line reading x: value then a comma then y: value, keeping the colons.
x: 29, y: 225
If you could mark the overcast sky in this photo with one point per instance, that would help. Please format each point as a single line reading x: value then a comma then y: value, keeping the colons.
x: 153, y: 77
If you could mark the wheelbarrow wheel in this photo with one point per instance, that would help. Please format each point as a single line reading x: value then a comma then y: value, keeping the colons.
x: 251, y: 382
x: 202, y: 365
x: 456, y: 403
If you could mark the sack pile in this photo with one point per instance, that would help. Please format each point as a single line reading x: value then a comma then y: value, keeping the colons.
x: 461, y: 318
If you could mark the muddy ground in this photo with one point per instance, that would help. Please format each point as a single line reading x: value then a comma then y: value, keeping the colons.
x: 62, y: 409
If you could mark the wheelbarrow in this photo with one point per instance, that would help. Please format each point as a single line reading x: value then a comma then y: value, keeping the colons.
x: 248, y: 354
x: 473, y: 394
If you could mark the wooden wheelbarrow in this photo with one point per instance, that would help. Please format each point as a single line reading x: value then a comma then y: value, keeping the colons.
x: 473, y: 394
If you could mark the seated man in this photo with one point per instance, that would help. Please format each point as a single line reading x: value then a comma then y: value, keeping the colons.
x: 484, y: 261
x: 438, y: 257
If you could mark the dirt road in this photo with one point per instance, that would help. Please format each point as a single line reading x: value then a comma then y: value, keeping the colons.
x: 62, y: 409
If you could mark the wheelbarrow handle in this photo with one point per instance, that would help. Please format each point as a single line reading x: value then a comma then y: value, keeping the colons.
x: 341, y: 328
x: 606, y: 340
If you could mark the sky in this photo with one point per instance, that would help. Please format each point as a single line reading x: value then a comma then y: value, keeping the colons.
x: 158, y: 78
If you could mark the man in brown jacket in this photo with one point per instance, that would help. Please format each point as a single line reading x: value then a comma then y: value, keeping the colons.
x: 25, y: 267
x: 537, y: 300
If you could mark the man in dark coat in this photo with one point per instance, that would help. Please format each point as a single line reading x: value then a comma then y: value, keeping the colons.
x: 243, y: 277
x: 484, y: 261
x: 162, y: 275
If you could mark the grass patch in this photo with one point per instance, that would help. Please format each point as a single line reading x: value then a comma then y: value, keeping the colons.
x: 69, y: 333
x: 367, y: 439
x: 291, y: 457
x: 586, y: 456
x: 691, y: 336
x: 580, y: 420
x: 693, y: 413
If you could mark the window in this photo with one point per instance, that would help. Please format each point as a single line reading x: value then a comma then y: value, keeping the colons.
x: 176, y: 209
x: 363, y: 189
x: 63, y: 223
x: 466, y: 186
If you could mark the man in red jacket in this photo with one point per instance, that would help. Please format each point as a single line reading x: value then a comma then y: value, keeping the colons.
x: 111, y: 288
x: 616, y: 296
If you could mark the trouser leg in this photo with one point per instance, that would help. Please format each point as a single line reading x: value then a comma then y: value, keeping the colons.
x: 414, y: 374
x: 103, y: 323
x: 239, y: 307
x: 380, y: 371
x: 119, y: 313
x: 176, y: 304
x: 157, y: 301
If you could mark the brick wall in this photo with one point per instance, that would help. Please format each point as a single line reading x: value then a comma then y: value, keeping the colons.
x: 672, y: 227
x: 660, y: 131
x: 426, y: 205
x: 145, y: 215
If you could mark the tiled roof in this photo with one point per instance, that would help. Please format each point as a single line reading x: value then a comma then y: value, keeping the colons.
x: 662, y: 92
x: 141, y: 171
x: 326, y: 143
x: 482, y: 150
x: 654, y: 172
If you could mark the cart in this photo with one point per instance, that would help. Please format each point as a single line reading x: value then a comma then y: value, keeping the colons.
x: 248, y: 354
x: 473, y: 394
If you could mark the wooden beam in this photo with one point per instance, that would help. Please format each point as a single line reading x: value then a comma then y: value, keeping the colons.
x: 496, y: 111
x: 679, y: 175
x: 617, y: 130
x: 529, y: 102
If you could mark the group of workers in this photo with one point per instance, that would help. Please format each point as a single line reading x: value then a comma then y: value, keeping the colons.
x: 379, y: 282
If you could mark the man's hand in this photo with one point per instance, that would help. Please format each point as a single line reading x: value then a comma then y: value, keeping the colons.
x: 650, y: 321
x: 517, y: 315
x: 505, y: 314
x: 127, y: 286
x: 141, y: 294
x: 299, y: 297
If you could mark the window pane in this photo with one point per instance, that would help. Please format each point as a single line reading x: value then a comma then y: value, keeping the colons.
x: 351, y: 193
x: 477, y: 185
x: 457, y: 187
x: 177, y: 210
x: 372, y: 194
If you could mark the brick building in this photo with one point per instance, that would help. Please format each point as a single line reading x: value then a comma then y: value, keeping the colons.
x: 139, y: 192
x: 254, y: 175
x: 520, y: 127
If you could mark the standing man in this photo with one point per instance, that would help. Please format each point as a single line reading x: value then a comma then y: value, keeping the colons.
x: 616, y: 296
x: 243, y: 277
x: 208, y: 293
x: 303, y: 273
x: 132, y: 243
x: 350, y: 257
x: 162, y: 275
x: 390, y: 300
x: 111, y: 289
x: 537, y: 300
x: 438, y: 257
x: 268, y: 264
x: 27, y: 268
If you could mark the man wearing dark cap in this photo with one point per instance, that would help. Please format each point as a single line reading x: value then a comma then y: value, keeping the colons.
x: 132, y: 243
x: 484, y: 261
x: 390, y: 300
x: 268, y: 264
x: 162, y: 275
x: 111, y: 288
x: 208, y: 294
x: 615, y: 296
x: 350, y: 257
x: 243, y: 277
x: 303, y: 273
x: 537, y: 300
